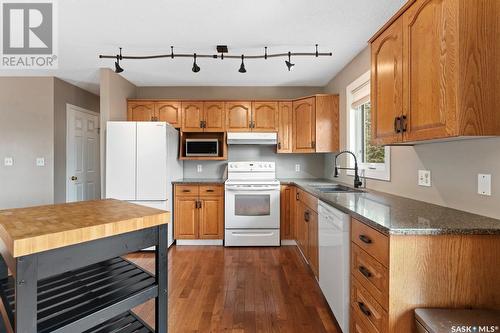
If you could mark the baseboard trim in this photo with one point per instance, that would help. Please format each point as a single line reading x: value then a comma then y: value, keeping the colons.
x: 198, y: 242
x: 288, y: 242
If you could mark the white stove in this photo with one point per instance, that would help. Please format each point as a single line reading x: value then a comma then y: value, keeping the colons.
x: 252, y: 214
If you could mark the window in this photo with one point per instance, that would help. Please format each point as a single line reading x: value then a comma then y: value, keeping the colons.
x: 374, y: 161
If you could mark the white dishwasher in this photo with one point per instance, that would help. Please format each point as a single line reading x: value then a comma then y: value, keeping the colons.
x: 334, y: 248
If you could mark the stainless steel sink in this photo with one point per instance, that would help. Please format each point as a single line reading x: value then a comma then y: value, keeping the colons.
x: 335, y: 188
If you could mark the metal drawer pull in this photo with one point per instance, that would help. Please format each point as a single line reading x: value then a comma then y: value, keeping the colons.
x: 210, y: 191
x: 365, y: 271
x: 365, y: 239
x: 364, y: 309
x: 186, y: 190
x: 307, y: 216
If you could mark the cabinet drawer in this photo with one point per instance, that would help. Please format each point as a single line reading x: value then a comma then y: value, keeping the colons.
x: 370, y: 274
x: 186, y: 190
x: 370, y: 240
x: 357, y: 325
x: 211, y: 190
x: 309, y: 200
x: 367, y: 309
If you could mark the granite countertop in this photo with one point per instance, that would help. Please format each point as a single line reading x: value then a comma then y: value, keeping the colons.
x: 396, y: 215
x: 193, y: 181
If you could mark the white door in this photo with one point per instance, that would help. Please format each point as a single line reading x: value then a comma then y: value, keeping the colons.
x: 151, y: 161
x: 82, y: 155
x: 121, y: 160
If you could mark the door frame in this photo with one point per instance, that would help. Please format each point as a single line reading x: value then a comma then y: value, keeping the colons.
x: 70, y: 108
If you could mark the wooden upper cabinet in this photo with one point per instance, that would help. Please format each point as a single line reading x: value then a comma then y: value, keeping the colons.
x: 449, y: 73
x: 430, y: 58
x: 192, y: 116
x: 212, y: 217
x: 285, y: 124
x: 214, y: 116
x: 141, y: 111
x: 169, y: 111
x: 238, y: 116
x: 304, y: 125
x: 264, y: 116
x: 387, y: 85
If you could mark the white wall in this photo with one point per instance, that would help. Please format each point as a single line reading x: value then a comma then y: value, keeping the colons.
x: 26, y: 132
x: 114, y: 91
x: 454, y: 165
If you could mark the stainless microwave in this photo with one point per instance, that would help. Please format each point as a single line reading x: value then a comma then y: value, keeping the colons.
x: 202, y: 147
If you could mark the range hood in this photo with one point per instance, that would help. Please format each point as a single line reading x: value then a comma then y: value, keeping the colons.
x: 252, y: 138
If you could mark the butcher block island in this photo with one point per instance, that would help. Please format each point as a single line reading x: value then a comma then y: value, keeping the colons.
x: 67, y: 273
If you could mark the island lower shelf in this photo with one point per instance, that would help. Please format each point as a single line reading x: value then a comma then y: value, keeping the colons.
x: 95, y: 298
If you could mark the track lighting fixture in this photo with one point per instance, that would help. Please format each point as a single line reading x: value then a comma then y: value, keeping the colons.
x: 196, y: 68
x: 242, y: 67
x: 119, y: 57
x: 288, y: 63
x: 222, y: 54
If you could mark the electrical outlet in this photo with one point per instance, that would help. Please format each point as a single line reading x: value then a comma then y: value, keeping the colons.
x: 484, y: 184
x: 199, y: 168
x: 8, y: 161
x: 424, y: 178
x: 297, y: 167
x: 40, y: 161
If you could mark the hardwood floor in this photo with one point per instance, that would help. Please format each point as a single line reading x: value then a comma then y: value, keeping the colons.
x: 217, y: 289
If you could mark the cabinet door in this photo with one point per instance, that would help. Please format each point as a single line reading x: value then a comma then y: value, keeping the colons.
x: 302, y: 228
x: 213, y: 114
x: 287, y: 201
x: 387, y: 85
x: 264, y: 116
x: 192, y: 116
x: 313, y: 249
x: 238, y: 116
x: 285, y: 127
x: 211, y: 218
x: 141, y: 111
x: 304, y: 125
x: 186, y: 218
x: 430, y: 69
x: 169, y: 111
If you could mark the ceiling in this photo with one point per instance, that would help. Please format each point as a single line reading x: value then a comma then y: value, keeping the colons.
x: 92, y: 27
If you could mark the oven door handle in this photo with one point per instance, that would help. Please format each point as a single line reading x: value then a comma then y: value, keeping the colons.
x: 252, y: 234
x: 250, y: 189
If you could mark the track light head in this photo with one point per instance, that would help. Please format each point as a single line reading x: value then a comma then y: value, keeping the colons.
x: 242, y: 67
x: 288, y: 62
x: 196, y: 68
x: 118, y: 69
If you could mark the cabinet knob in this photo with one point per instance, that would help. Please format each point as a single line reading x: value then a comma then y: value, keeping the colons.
x: 364, y: 309
x: 365, y: 239
x: 74, y: 178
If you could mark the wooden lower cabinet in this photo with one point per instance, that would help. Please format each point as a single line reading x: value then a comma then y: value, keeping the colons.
x: 393, y: 275
x: 306, y: 218
x: 211, y: 216
x: 186, y: 217
x: 199, y: 212
x: 287, y: 211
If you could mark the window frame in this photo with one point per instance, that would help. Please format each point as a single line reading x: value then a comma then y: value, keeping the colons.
x: 379, y: 171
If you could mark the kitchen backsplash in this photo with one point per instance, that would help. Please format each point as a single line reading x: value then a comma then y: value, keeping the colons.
x: 311, y: 165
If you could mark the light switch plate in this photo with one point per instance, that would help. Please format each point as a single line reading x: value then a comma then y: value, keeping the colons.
x: 424, y: 178
x: 8, y: 161
x: 297, y: 167
x: 199, y: 168
x: 40, y: 161
x: 484, y: 184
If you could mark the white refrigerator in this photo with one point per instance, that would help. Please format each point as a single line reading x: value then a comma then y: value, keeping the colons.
x: 141, y: 163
